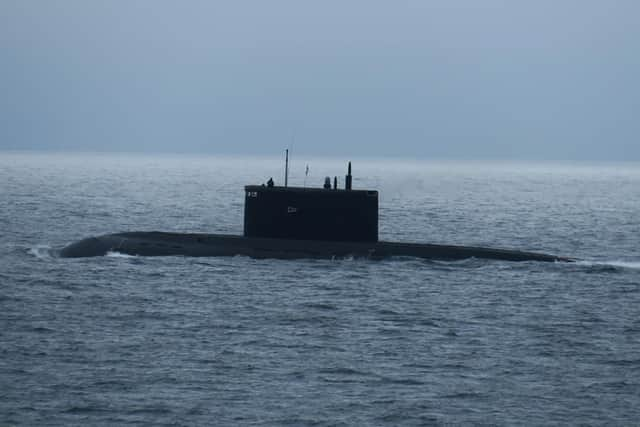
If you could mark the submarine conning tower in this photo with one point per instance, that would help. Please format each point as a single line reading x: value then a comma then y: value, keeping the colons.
x: 326, y: 213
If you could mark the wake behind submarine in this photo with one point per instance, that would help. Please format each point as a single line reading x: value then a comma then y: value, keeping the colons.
x: 294, y: 222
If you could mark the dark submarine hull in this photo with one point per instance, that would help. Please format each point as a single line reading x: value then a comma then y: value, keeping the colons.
x: 206, y: 245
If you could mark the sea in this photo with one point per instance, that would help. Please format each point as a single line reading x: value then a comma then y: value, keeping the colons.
x: 234, y: 341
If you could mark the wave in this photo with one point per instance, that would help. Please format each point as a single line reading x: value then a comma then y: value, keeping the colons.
x: 114, y: 254
x: 634, y: 265
x: 43, y: 252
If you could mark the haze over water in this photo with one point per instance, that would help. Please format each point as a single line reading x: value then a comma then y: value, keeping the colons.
x: 464, y: 79
x: 236, y: 341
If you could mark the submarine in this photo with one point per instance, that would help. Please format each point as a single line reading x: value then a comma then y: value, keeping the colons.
x: 286, y: 222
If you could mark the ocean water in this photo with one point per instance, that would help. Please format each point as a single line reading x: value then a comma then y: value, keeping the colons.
x: 122, y: 340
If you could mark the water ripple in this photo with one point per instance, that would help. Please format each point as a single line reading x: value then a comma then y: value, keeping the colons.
x: 236, y: 341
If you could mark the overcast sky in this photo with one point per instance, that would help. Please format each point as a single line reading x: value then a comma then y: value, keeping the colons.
x: 543, y: 79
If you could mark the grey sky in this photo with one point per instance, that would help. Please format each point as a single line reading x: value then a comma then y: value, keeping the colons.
x: 456, y: 79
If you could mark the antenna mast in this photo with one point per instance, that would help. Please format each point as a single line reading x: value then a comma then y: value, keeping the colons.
x: 347, y: 179
x: 286, y: 167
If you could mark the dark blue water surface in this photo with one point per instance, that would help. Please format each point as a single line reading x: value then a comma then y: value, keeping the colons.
x: 235, y: 341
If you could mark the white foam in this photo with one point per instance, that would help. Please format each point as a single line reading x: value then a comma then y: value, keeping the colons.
x: 41, y: 251
x: 114, y: 254
x: 635, y: 265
